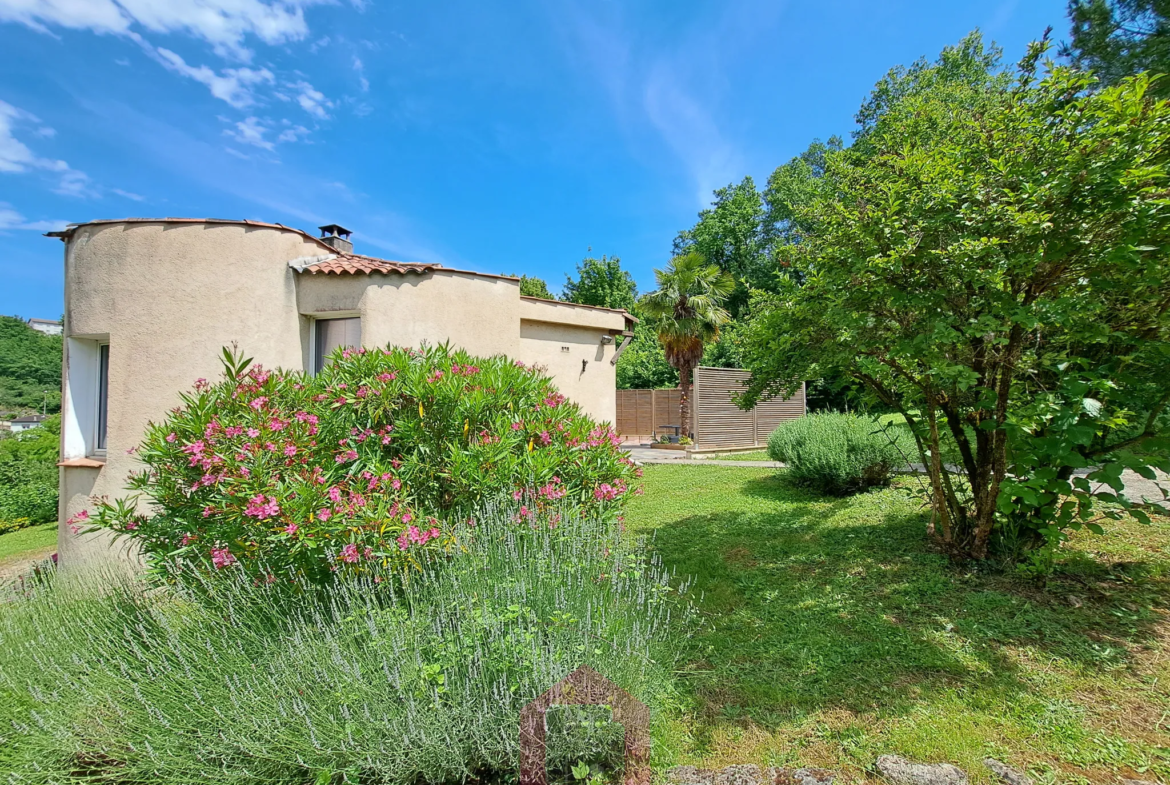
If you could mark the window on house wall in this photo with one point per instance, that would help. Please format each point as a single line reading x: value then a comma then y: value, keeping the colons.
x: 103, y: 394
x: 333, y: 334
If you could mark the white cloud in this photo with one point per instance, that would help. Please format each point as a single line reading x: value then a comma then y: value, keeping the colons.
x: 233, y: 85
x: 128, y: 195
x: 224, y: 24
x: 11, y: 219
x: 361, y: 72
x: 251, y: 132
x: 293, y: 134
x: 311, y: 100
x: 16, y: 157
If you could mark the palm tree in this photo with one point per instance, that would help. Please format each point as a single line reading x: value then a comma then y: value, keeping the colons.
x: 687, y: 309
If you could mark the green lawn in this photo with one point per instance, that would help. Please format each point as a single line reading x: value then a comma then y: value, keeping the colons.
x: 832, y: 634
x: 755, y: 455
x: 15, y: 545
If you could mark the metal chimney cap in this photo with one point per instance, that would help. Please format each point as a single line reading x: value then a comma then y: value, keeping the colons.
x: 333, y: 230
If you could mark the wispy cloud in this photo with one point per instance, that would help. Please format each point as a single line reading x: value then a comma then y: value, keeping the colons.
x: 689, y: 129
x: 252, y: 132
x: 236, y: 86
x: 224, y: 24
x: 16, y: 157
x: 361, y: 72
x: 311, y: 100
x: 11, y: 219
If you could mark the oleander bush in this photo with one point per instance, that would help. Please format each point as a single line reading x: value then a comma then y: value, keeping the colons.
x: 233, y: 682
x: 381, y: 458
x: 836, y: 453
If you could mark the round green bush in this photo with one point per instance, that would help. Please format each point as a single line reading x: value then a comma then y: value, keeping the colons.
x: 835, y: 453
x: 384, y: 457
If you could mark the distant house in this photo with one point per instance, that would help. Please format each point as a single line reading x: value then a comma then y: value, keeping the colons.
x: 27, y: 423
x: 46, y: 326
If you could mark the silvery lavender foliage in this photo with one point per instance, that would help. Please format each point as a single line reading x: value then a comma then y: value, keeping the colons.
x: 382, y: 679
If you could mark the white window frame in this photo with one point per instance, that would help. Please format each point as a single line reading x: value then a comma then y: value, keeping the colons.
x: 82, y: 399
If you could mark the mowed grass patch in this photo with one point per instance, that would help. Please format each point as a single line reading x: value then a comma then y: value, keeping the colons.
x: 754, y: 455
x: 22, y: 542
x: 833, y: 634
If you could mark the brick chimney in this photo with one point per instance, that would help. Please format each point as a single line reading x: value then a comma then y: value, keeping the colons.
x: 337, y: 238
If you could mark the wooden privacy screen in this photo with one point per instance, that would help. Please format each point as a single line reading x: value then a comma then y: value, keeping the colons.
x: 642, y: 413
x: 717, y: 421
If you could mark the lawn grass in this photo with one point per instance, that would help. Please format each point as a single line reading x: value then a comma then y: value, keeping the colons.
x: 833, y: 634
x: 754, y: 455
x: 15, y: 545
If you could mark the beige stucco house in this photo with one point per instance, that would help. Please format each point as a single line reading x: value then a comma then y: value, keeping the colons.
x: 149, y: 303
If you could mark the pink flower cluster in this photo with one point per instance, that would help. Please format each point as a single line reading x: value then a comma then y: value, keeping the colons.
x: 222, y: 557
x: 416, y: 536
x: 260, y: 509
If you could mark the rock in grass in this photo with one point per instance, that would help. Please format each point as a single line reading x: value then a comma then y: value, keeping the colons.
x: 798, y: 777
x: 1006, y: 773
x: 902, y: 772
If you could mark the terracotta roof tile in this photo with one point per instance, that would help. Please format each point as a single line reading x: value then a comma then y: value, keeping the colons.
x: 356, y: 263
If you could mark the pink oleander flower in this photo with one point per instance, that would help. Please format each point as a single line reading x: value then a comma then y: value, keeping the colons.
x: 517, y: 426
x: 396, y: 484
x: 290, y: 450
x: 334, y: 494
x: 387, y: 377
x: 207, y: 511
x: 234, y: 430
x: 253, y: 433
x: 291, y: 529
x: 349, y: 553
x: 186, y: 540
x: 171, y: 437
x: 260, y: 509
x: 324, y: 514
x: 222, y: 557
x: 258, y: 403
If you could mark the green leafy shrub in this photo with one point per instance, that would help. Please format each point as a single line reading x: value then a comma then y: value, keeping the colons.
x: 835, y: 453
x: 244, y: 683
x: 36, y: 501
x: 383, y: 457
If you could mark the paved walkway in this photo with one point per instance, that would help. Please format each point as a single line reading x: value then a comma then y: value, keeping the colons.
x: 1136, y: 486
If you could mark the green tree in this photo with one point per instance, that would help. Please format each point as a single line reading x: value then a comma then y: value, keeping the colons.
x: 30, y: 368
x: 687, y: 312
x: 601, y: 282
x: 1119, y: 38
x: 643, y: 364
x: 992, y: 264
x: 730, y: 234
x: 531, y: 286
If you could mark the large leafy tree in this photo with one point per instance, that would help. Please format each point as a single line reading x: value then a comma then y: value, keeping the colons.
x: 1119, y: 38
x: 730, y: 234
x: 990, y: 260
x: 687, y: 311
x: 601, y: 282
x: 531, y: 286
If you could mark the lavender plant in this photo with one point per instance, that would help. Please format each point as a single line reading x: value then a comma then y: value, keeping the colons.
x: 240, y: 683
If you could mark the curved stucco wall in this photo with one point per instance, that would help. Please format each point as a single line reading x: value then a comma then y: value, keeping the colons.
x: 167, y: 298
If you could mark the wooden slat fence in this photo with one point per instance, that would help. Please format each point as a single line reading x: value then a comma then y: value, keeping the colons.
x: 641, y: 413
x: 717, y: 421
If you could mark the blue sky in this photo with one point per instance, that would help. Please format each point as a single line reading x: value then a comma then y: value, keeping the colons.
x: 507, y: 137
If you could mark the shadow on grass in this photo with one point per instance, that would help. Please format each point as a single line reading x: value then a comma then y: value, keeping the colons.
x: 813, y: 603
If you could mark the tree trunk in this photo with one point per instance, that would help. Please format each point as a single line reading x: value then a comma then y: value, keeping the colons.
x: 684, y: 401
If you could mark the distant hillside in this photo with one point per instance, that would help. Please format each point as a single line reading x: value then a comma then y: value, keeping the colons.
x: 30, y: 364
